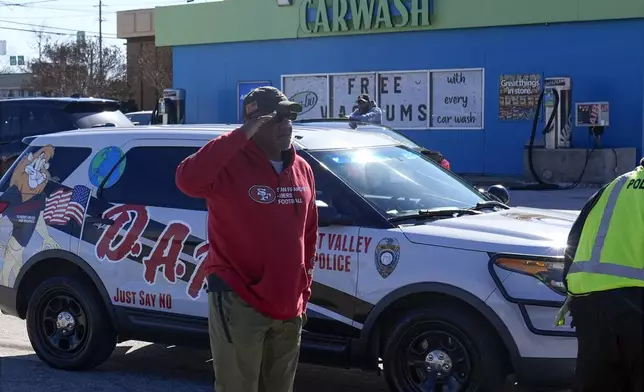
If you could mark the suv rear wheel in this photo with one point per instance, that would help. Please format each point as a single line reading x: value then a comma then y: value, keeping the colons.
x: 68, y: 325
x: 443, y: 348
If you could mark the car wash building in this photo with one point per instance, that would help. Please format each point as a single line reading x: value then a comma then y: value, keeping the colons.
x: 460, y: 76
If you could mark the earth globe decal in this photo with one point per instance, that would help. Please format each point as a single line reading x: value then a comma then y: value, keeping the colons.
x: 102, y: 164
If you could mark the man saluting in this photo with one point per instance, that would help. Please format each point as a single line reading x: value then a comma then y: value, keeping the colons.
x: 262, y: 228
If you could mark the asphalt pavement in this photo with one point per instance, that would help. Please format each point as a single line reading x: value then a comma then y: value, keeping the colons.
x: 144, y: 367
x: 571, y: 199
x: 141, y: 367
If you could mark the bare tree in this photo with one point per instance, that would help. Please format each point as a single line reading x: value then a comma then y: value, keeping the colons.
x: 72, y: 67
x: 5, y: 70
x: 155, y: 67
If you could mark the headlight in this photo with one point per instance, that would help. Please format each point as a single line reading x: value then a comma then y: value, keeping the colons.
x: 548, y: 271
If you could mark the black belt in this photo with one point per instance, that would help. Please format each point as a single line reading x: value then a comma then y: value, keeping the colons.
x: 216, y: 285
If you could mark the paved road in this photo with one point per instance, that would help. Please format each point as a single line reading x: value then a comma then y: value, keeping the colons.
x: 141, y: 367
x: 572, y: 199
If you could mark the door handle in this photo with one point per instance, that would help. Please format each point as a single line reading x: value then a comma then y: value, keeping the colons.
x: 96, y: 219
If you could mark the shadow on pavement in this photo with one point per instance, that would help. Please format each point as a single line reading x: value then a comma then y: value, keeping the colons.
x: 155, y: 360
x: 165, y: 369
x: 161, y: 369
x: 196, y: 365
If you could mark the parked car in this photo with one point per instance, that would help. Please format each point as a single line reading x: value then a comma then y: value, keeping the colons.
x: 24, y: 117
x: 140, y: 118
x: 366, y: 127
x: 416, y: 271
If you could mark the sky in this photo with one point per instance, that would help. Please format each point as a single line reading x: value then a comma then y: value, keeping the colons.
x: 19, y: 19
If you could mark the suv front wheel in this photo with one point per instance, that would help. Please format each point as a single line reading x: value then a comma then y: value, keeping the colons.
x: 68, y: 325
x: 443, y: 348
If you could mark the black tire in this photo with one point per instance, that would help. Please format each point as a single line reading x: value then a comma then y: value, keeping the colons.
x: 88, y: 344
x: 478, y: 361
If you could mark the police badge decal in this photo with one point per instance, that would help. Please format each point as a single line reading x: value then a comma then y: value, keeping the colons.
x: 386, y: 256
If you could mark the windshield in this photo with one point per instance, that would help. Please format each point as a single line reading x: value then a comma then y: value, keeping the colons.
x: 104, y: 118
x: 391, y: 133
x: 350, y: 126
x: 397, y: 180
x: 140, y: 118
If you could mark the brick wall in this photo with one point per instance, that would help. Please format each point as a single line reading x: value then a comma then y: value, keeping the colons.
x: 149, y: 71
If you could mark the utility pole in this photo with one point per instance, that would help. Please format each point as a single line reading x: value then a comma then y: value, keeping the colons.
x: 39, y: 35
x: 100, y: 40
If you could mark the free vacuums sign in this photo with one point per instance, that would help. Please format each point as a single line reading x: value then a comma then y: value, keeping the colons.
x: 337, y: 16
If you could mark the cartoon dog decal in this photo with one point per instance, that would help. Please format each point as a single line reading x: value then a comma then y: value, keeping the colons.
x: 26, y: 205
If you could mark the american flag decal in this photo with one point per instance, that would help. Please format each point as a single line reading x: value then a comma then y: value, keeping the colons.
x: 63, y: 205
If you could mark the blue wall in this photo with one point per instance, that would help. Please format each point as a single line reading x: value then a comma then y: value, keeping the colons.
x: 604, y: 59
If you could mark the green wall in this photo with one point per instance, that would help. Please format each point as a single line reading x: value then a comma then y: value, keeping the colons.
x: 253, y: 20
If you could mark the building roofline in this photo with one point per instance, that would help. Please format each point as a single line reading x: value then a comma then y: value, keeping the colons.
x: 136, y: 23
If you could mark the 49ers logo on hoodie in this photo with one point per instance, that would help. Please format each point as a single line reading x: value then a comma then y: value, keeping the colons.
x: 262, y: 194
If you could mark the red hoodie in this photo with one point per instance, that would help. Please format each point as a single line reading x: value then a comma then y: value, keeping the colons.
x: 262, y: 226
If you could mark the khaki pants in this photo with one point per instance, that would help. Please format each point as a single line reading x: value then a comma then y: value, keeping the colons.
x: 251, y: 352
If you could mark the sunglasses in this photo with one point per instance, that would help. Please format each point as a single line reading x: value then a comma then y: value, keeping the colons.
x: 279, y: 117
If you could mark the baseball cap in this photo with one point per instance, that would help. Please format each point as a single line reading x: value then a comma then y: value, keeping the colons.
x: 267, y: 99
x: 364, y: 98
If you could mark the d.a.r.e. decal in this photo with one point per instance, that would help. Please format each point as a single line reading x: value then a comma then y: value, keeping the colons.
x: 26, y: 206
x: 387, y: 255
x: 65, y: 205
x: 122, y: 240
x: 143, y: 298
x: 101, y: 165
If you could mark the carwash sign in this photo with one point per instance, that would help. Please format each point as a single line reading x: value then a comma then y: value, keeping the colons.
x: 337, y: 16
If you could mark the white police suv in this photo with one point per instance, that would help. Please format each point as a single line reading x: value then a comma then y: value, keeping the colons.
x: 417, y: 271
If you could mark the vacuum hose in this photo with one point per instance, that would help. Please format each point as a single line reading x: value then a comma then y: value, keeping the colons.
x: 541, y: 185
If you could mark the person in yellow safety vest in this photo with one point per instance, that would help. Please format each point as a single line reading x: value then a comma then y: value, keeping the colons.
x: 604, y: 276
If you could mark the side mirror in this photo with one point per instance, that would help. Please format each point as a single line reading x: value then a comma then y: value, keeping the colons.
x: 329, y: 216
x: 500, y: 193
x: 433, y: 155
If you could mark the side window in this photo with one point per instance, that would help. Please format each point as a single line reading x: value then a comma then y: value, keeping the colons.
x: 40, y: 120
x: 148, y: 179
x: 59, y: 120
x: 60, y: 163
x: 32, y: 123
x: 333, y: 192
x: 10, y: 122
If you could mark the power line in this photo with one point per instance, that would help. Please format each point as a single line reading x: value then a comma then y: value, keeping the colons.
x: 51, y: 17
x: 7, y: 4
x: 51, y: 27
x: 52, y: 32
x: 35, y: 5
x: 144, y: 3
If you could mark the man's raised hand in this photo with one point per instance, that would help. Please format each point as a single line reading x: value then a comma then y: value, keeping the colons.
x: 253, y: 125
